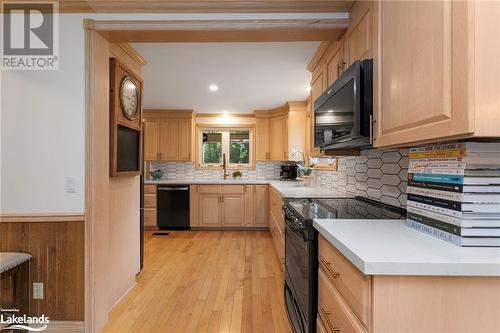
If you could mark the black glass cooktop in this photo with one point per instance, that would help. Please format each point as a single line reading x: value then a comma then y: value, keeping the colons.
x: 345, y: 208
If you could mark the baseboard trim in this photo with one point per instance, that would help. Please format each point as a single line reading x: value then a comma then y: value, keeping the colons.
x: 41, y: 217
x: 63, y: 326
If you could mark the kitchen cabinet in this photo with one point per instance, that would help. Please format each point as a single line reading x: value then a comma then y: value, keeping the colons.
x: 286, y: 132
x: 278, y: 136
x: 168, y: 135
x: 151, y: 140
x: 436, y: 80
x: 228, y: 206
x: 209, y: 209
x: 262, y: 139
x: 150, y: 211
x: 350, y: 301
x: 277, y: 223
x: 358, y: 39
x: 259, y: 205
x: 169, y: 143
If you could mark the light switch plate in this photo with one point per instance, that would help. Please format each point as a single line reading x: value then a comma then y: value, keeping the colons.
x: 37, y: 290
x: 70, y: 184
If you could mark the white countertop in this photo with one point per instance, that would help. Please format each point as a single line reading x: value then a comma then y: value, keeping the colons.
x: 287, y: 189
x: 389, y: 247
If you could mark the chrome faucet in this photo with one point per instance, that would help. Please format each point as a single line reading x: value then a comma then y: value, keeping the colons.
x: 224, y: 166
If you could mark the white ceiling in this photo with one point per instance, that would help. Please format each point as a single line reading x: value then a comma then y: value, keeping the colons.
x: 250, y: 76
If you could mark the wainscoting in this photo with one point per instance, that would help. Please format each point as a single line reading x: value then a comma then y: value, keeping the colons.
x: 56, y: 242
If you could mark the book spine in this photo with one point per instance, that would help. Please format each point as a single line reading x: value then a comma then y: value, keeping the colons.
x: 444, y: 153
x: 447, y: 146
x: 443, y: 203
x: 437, y: 171
x: 435, y: 209
x: 437, y: 186
x: 452, y: 196
x: 443, y: 235
x: 438, y: 216
x: 425, y: 177
x: 452, y: 229
x: 440, y: 160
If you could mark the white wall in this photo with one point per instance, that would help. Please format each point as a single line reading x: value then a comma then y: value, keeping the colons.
x: 42, y: 131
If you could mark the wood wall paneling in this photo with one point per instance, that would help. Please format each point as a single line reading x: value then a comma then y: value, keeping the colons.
x: 58, y: 262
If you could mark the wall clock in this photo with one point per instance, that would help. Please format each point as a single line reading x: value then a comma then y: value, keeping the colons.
x: 125, y: 120
x: 129, y: 97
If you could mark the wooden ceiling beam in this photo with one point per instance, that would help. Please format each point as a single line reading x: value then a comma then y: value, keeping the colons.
x: 204, y: 6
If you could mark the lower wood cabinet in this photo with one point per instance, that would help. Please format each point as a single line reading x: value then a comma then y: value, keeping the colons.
x: 277, y: 223
x: 150, y: 206
x: 350, y: 301
x: 229, y: 206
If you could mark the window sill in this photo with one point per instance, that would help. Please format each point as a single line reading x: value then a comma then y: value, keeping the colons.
x: 229, y: 167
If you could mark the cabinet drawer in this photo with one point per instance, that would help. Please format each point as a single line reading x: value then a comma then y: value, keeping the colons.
x: 150, y: 189
x: 149, y: 200
x: 332, y: 309
x: 209, y: 188
x: 237, y: 189
x: 349, y: 281
x: 150, y: 217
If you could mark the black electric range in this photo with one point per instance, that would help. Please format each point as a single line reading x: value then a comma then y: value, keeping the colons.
x: 301, y: 249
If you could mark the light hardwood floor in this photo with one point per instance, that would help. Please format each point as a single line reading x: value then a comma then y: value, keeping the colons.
x: 205, y: 281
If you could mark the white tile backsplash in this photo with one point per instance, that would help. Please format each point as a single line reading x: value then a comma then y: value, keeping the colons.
x: 377, y: 174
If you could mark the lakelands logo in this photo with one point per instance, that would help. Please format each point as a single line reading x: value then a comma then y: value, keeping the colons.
x: 12, y: 321
x: 30, y: 39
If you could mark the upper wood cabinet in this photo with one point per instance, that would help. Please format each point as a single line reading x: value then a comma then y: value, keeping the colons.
x: 358, y: 39
x: 151, y: 140
x: 168, y: 135
x: 262, y: 139
x: 286, y: 132
x: 437, y: 80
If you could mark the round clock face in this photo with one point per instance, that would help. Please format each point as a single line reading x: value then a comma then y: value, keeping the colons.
x: 129, y: 97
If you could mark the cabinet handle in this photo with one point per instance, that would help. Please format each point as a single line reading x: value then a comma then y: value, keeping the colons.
x: 326, y: 315
x: 221, y: 199
x: 339, y: 69
x: 328, y: 266
x: 284, y: 155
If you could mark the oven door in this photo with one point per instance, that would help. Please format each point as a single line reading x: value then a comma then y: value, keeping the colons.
x: 298, y: 267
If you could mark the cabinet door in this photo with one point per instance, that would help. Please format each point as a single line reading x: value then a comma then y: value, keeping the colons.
x: 422, y: 71
x: 260, y: 205
x: 334, y: 64
x: 262, y: 139
x: 278, y: 135
x: 316, y: 91
x: 169, y: 141
x: 359, y: 37
x: 209, y: 205
x: 233, y: 210
x: 184, y: 139
x: 151, y: 140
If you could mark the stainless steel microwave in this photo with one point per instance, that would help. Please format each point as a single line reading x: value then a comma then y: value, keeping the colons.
x: 343, y: 114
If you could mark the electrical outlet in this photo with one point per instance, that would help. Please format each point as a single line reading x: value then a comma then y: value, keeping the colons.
x: 70, y: 184
x: 37, y: 290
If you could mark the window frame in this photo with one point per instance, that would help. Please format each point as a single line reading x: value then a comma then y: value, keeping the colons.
x: 225, y: 129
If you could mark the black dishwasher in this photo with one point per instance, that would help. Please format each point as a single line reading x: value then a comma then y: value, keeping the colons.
x: 173, y: 207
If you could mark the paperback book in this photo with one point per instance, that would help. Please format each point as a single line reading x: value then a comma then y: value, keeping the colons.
x: 452, y: 238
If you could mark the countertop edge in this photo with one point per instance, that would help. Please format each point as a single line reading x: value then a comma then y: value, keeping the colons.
x: 409, y: 268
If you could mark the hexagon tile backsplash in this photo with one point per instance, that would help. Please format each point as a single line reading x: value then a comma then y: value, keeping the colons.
x: 378, y: 174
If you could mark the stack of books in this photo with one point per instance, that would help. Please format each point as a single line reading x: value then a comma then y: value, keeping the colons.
x: 454, y: 192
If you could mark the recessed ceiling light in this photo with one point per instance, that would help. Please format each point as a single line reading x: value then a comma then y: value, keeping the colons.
x: 308, y: 88
x: 213, y: 87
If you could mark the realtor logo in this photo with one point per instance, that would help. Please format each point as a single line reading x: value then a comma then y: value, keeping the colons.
x: 30, y: 35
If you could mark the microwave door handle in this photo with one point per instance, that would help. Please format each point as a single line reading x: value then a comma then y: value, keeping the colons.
x: 371, y: 129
